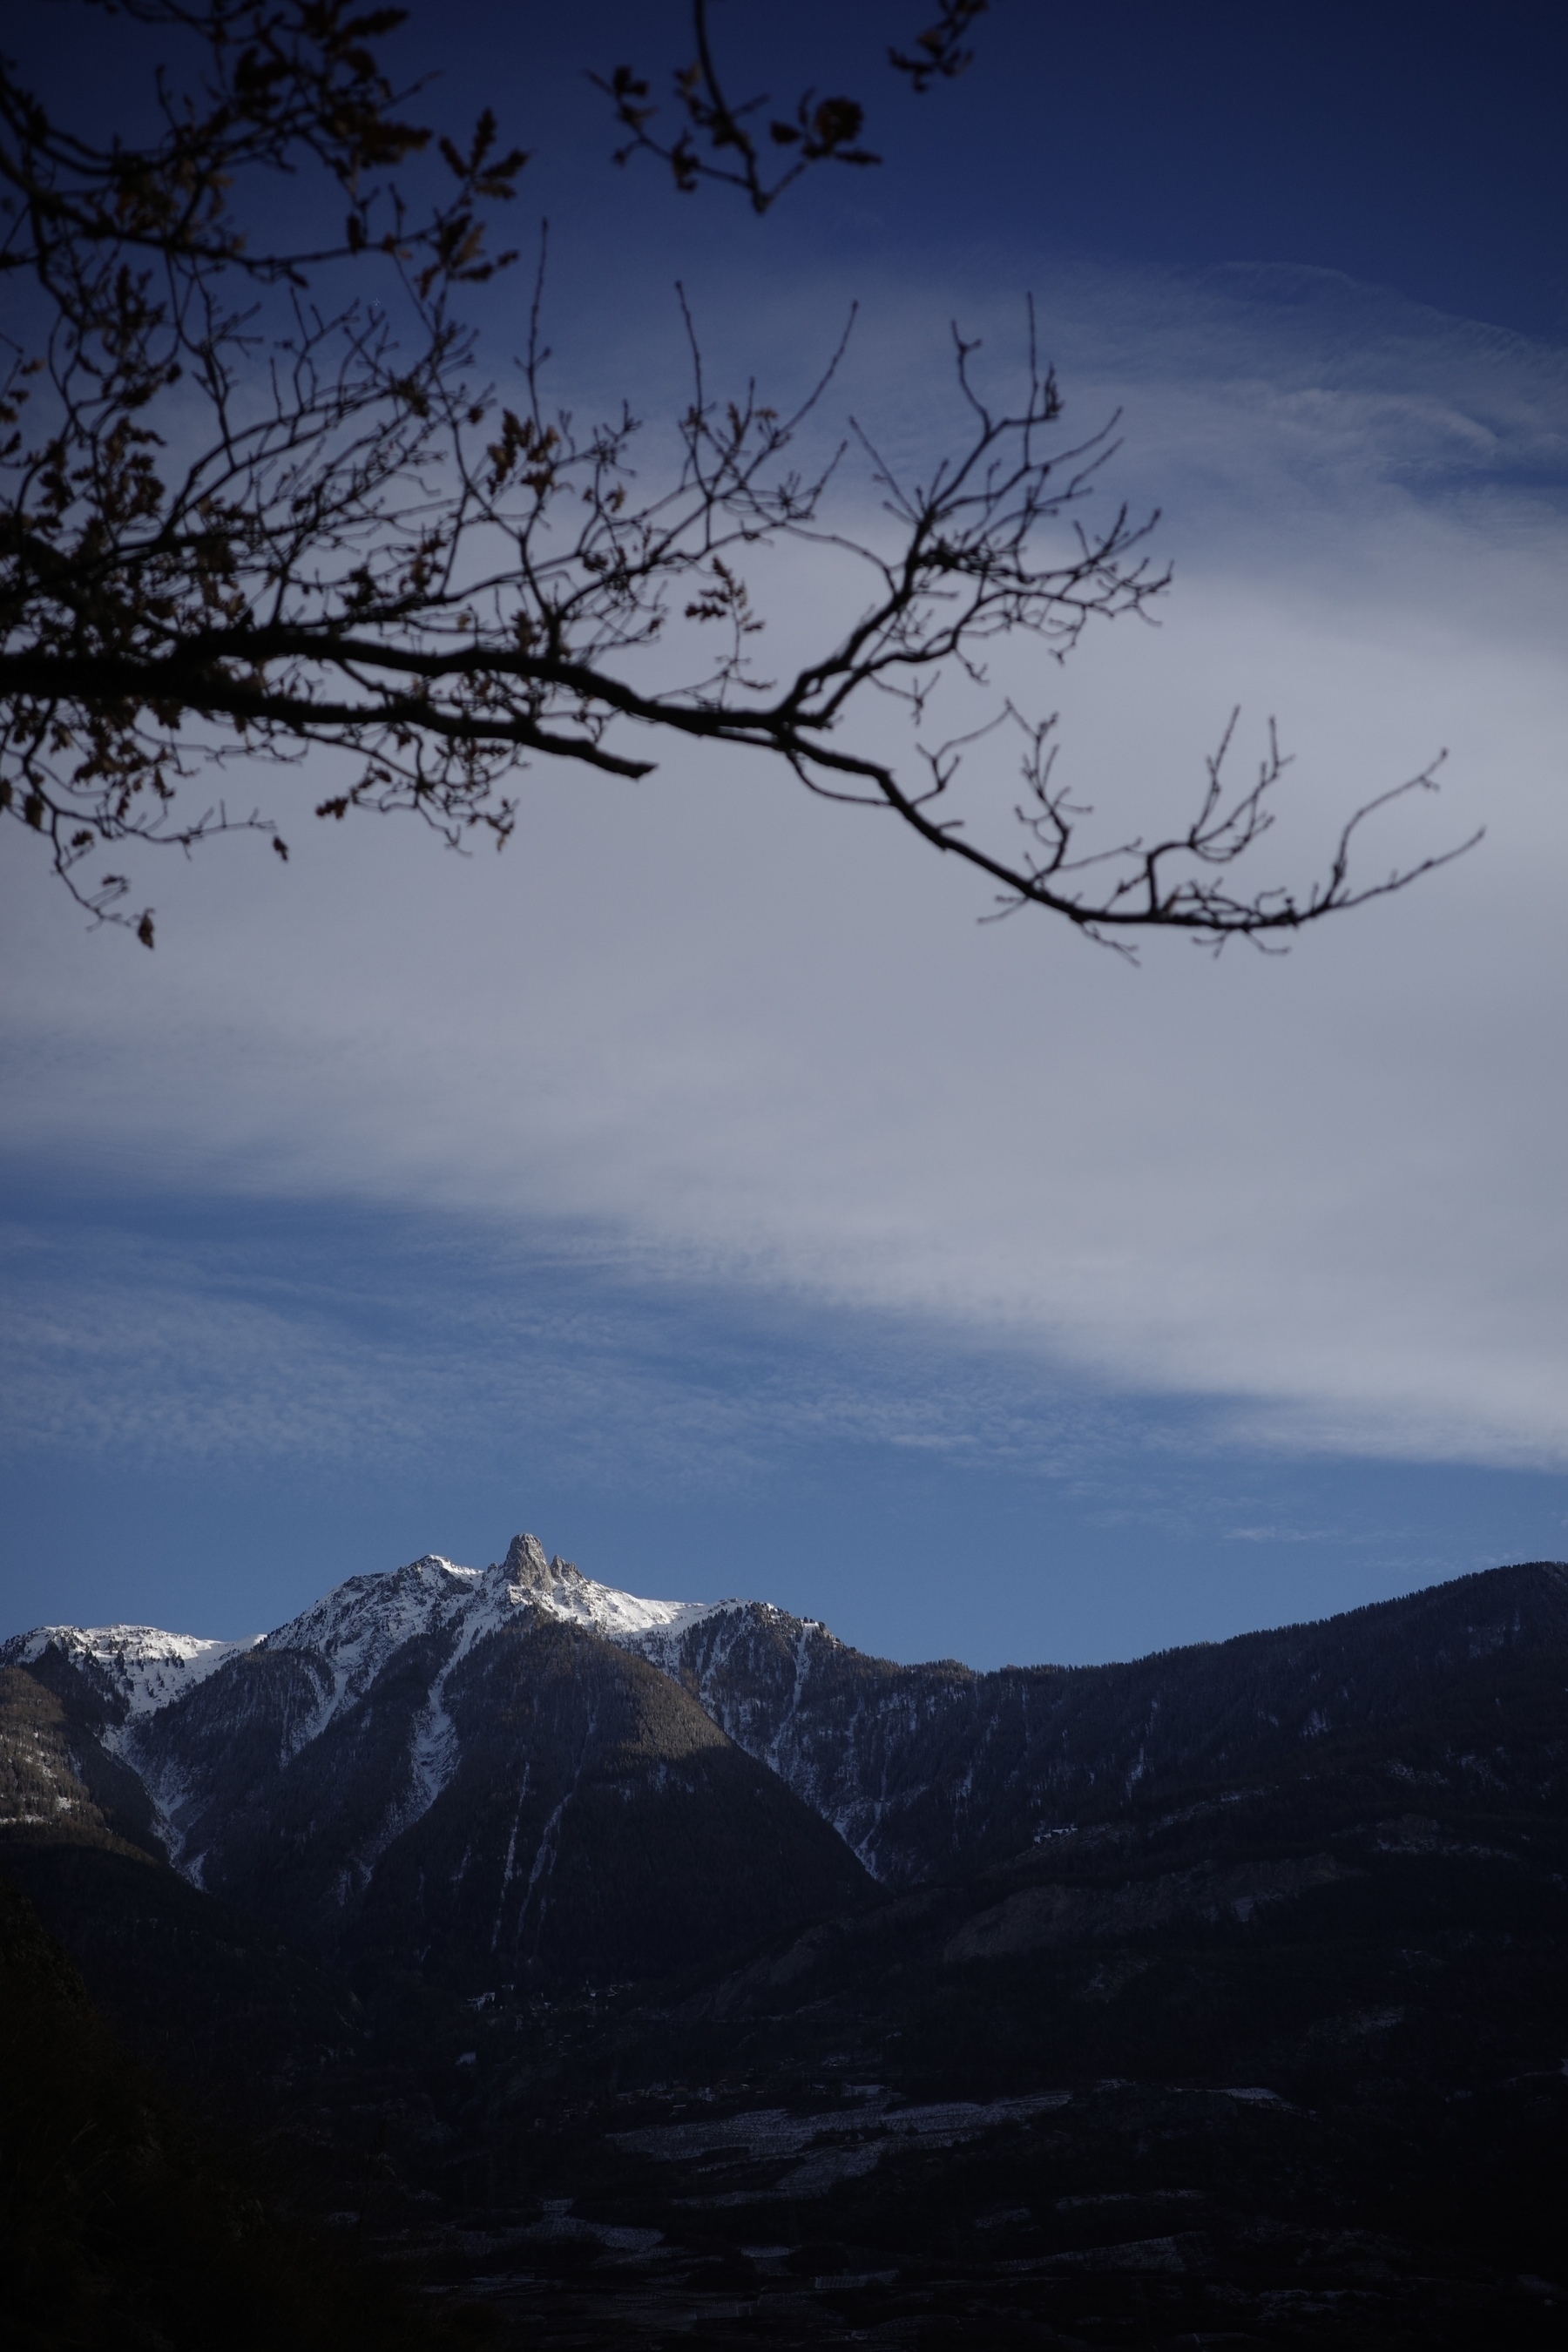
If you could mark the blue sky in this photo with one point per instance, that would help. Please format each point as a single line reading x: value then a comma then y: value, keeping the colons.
x: 701, y: 1185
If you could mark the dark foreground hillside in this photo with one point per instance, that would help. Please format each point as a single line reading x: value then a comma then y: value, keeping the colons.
x: 121, y: 2227
x: 1268, y: 2047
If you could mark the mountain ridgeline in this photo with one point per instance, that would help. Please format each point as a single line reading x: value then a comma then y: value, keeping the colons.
x: 934, y: 1769
x: 519, y: 1771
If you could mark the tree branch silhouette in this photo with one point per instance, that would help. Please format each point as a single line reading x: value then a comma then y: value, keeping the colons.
x: 260, y: 505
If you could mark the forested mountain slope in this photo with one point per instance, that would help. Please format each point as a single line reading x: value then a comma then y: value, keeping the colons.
x: 1212, y: 1997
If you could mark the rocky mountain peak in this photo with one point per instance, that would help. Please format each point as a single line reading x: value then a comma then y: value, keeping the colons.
x: 525, y: 1566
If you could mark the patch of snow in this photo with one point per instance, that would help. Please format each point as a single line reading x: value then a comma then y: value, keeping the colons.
x: 145, y: 1667
x: 773, y: 2134
x: 561, y: 2225
x: 624, y: 1617
x: 435, y: 1752
x: 361, y: 1625
x: 1136, y: 2254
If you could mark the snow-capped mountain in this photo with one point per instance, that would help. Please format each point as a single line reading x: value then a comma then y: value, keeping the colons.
x: 353, y: 1633
x: 360, y: 1625
x: 481, y: 1760
x: 518, y: 1766
x: 358, y: 1628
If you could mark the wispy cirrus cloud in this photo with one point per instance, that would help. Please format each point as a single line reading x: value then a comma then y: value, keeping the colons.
x: 347, y: 1340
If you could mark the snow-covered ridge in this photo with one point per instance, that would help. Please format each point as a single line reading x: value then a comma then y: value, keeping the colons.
x: 143, y: 1667
x: 360, y: 1625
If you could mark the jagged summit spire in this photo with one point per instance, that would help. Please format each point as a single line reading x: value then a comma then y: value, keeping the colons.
x: 525, y: 1564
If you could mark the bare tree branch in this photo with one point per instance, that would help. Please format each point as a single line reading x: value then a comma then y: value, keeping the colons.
x: 245, y: 522
x: 937, y: 53
x: 724, y: 141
